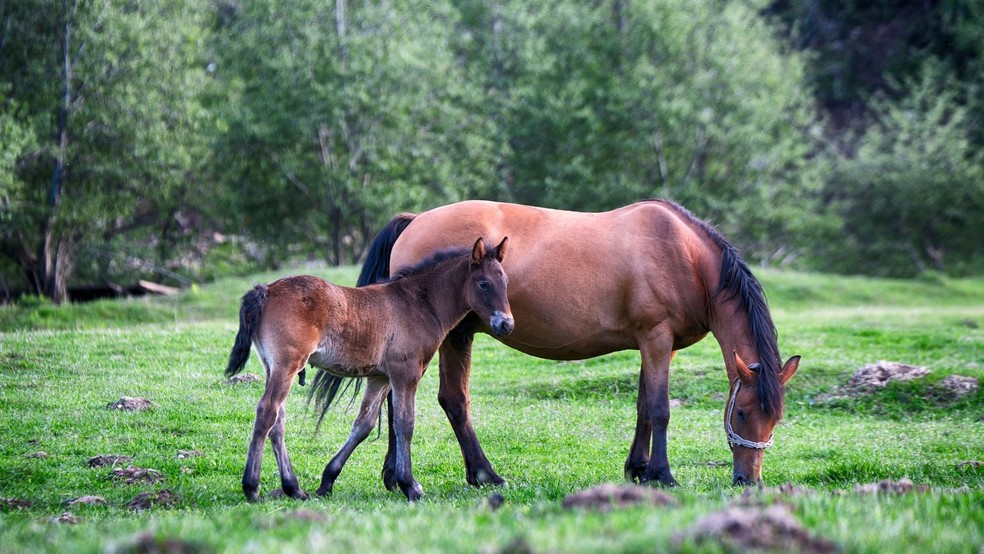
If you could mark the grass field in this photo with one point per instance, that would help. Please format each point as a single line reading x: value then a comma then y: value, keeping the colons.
x: 549, y: 428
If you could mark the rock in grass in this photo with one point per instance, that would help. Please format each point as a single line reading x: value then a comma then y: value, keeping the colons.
x: 608, y: 496
x: 148, y: 500
x: 133, y: 474
x: 772, y: 528
x: 131, y: 404
x: 88, y: 500
x: 888, y: 486
x: 110, y: 460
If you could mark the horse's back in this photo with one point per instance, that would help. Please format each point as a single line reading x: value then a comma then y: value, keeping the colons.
x: 581, y: 284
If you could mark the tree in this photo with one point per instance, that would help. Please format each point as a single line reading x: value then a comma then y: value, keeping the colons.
x: 110, y: 95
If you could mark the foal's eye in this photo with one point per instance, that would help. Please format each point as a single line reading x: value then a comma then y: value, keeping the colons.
x: 483, y: 285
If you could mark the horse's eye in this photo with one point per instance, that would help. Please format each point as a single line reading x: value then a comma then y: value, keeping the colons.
x: 483, y: 285
x: 741, y: 414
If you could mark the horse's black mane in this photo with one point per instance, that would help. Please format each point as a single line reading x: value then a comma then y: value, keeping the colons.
x: 737, y: 282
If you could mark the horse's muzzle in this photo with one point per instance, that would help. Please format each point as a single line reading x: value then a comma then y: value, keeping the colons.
x: 502, y: 324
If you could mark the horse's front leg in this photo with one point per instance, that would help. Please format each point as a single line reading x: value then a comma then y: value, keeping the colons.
x: 455, y: 398
x: 368, y: 412
x: 657, y: 353
x: 404, y: 392
x: 638, y: 460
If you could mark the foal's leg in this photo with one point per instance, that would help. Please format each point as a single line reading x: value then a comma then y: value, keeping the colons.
x: 376, y: 389
x: 288, y: 480
x: 404, y: 391
x: 657, y: 351
x: 267, y: 415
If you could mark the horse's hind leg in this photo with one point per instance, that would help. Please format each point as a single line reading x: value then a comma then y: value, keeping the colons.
x: 288, y: 480
x: 404, y: 393
x: 371, y: 402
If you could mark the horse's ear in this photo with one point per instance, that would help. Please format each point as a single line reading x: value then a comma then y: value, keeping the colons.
x: 500, y: 251
x: 744, y: 373
x: 789, y: 369
x: 478, y: 251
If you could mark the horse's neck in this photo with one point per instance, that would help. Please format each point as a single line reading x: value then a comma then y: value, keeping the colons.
x: 730, y: 326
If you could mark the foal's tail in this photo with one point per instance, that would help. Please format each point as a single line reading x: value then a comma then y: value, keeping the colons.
x: 249, y: 320
x: 377, y: 265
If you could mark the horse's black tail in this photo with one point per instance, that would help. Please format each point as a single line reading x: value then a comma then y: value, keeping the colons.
x: 326, y: 387
x: 249, y: 320
x: 377, y: 265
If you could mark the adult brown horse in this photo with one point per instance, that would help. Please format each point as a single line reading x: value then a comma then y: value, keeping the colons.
x: 650, y: 276
x: 386, y: 333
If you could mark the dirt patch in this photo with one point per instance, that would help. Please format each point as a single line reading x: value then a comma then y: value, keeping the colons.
x: 185, y: 454
x: 243, y: 378
x: 970, y: 464
x: 14, y: 504
x: 65, y: 518
x: 147, y: 543
x: 772, y: 528
x: 608, y: 496
x: 762, y: 496
x: 957, y: 386
x: 111, y: 460
x: 131, y: 404
x: 147, y: 500
x: 133, y: 474
x: 494, y: 501
x: 38, y: 455
x: 88, y: 500
x: 306, y: 515
x: 888, y: 486
x: 879, y: 374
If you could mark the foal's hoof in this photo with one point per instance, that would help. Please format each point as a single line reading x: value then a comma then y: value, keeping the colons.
x: 389, y: 479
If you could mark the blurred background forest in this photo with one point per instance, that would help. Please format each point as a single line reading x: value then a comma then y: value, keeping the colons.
x: 179, y: 140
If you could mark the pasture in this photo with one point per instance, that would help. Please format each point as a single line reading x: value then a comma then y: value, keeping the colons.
x: 550, y: 429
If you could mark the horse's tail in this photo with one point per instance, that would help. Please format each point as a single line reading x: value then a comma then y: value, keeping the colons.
x: 250, y: 311
x: 377, y: 265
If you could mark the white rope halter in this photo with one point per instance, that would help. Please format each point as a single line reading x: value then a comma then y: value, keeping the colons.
x: 734, y: 439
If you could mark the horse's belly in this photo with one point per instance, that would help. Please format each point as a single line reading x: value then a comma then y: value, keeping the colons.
x: 335, y: 362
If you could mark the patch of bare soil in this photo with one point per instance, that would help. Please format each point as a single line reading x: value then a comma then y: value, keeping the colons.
x: 761, y: 496
x: 148, y: 500
x: 131, y: 404
x: 888, y: 486
x: 38, y: 455
x: 185, y: 454
x: 147, y: 543
x: 133, y: 474
x: 65, y: 517
x: 89, y: 500
x: 110, y: 460
x: 243, y: 378
x: 957, y: 386
x: 304, y: 514
x: 14, y: 504
x: 772, y: 528
x: 970, y: 464
x: 873, y: 377
x: 609, y: 496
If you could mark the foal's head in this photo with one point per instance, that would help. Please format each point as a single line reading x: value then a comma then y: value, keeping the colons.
x: 485, y: 287
x: 749, y: 417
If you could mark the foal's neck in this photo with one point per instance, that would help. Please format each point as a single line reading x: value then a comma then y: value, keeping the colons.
x: 437, y: 294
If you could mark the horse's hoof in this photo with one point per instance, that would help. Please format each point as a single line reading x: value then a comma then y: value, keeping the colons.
x: 252, y: 495
x: 323, y: 490
x: 298, y: 495
x: 481, y: 478
x: 414, y: 492
x: 389, y: 479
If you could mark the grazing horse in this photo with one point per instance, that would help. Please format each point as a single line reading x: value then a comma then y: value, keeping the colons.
x: 386, y: 333
x: 649, y: 276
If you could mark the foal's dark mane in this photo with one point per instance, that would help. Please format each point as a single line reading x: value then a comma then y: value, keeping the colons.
x: 738, y: 283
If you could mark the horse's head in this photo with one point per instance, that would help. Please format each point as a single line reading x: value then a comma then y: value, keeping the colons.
x: 485, y: 288
x: 748, y: 425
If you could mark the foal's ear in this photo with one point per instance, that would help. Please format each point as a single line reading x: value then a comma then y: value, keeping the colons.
x: 478, y: 251
x: 500, y: 251
x: 789, y: 369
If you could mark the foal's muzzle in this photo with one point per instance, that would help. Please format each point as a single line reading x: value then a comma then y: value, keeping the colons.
x: 502, y: 324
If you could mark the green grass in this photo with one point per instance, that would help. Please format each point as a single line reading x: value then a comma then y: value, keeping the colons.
x: 549, y: 428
